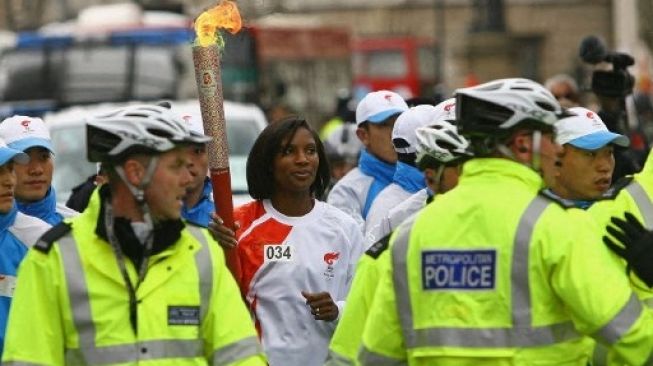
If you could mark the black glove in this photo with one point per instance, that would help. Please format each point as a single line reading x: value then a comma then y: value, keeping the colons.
x: 636, y: 248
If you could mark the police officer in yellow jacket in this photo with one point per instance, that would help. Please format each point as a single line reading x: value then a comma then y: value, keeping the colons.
x: 441, y: 151
x: 626, y: 216
x: 126, y: 282
x: 509, y: 277
x: 629, y: 205
x: 346, y: 340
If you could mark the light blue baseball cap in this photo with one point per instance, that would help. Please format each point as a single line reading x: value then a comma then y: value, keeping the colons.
x: 8, y: 154
x: 378, y: 106
x: 585, y: 130
x: 23, y: 132
x: 600, y: 139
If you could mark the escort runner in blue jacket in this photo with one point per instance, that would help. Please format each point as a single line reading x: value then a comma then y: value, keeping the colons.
x: 198, y: 202
x: 200, y: 212
x: 375, y: 117
x: 407, y: 179
x: 35, y: 195
x: 18, y: 232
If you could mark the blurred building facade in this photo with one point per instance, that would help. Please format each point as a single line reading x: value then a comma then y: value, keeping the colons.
x: 535, y: 38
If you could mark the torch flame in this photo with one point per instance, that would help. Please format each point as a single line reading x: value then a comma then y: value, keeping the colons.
x: 223, y: 16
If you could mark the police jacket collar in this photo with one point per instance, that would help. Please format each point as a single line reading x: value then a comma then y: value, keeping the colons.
x: 499, y: 167
x: 166, y: 233
x: 582, y: 204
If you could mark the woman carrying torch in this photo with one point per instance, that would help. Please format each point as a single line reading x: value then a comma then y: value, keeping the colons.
x: 297, y: 253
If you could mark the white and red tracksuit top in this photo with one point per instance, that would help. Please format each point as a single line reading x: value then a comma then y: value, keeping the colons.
x: 281, y: 256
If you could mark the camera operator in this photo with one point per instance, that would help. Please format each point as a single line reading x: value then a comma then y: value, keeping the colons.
x: 611, y: 88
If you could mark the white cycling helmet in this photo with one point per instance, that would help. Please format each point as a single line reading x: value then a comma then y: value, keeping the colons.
x: 440, y: 144
x: 403, y: 132
x: 138, y: 129
x: 146, y: 129
x: 497, y: 107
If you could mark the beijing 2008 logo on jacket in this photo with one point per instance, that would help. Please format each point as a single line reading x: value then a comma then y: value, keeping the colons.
x: 330, y: 259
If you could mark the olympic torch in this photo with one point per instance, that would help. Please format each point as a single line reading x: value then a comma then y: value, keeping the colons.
x: 206, y: 58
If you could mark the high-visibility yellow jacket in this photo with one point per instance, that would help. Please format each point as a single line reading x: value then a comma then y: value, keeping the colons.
x: 71, y: 306
x: 329, y: 127
x: 346, y: 340
x: 634, y: 195
x: 507, y: 278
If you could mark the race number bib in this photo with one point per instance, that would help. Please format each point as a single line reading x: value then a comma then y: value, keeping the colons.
x: 459, y: 269
x: 278, y: 253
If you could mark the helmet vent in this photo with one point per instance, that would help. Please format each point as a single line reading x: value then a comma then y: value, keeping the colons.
x: 400, y: 143
x: 141, y: 115
x: 453, y: 136
x: 159, y: 133
x: 546, y: 106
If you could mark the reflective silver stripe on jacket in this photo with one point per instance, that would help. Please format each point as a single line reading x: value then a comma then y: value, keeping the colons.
x: 369, y: 358
x: 612, y: 332
x: 204, y: 269
x: 91, y: 354
x: 230, y: 353
x: 643, y: 202
x: 521, y: 334
x: 139, y: 351
x: 240, y: 350
x: 600, y: 355
x: 21, y: 363
x: 336, y: 359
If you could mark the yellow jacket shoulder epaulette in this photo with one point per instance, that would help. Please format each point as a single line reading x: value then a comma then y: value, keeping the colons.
x: 44, y: 244
x: 376, y: 249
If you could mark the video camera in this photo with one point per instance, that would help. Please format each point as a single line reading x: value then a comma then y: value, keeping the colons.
x: 615, y: 83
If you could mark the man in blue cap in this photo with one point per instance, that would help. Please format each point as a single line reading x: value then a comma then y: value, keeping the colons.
x: 375, y: 117
x: 35, y: 195
x: 583, y: 173
x: 198, y: 202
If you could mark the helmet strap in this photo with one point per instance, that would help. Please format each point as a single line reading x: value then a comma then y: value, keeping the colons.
x: 536, y: 158
x: 138, y: 191
x: 536, y: 151
x: 505, y: 150
x: 438, y: 178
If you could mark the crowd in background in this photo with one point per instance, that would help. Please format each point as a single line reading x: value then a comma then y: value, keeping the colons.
x: 483, y: 228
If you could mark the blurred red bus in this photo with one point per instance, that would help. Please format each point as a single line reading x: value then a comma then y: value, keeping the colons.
x: 406, y: 65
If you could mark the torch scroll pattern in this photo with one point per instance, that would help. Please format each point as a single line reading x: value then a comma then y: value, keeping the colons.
x: 208, y: 76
